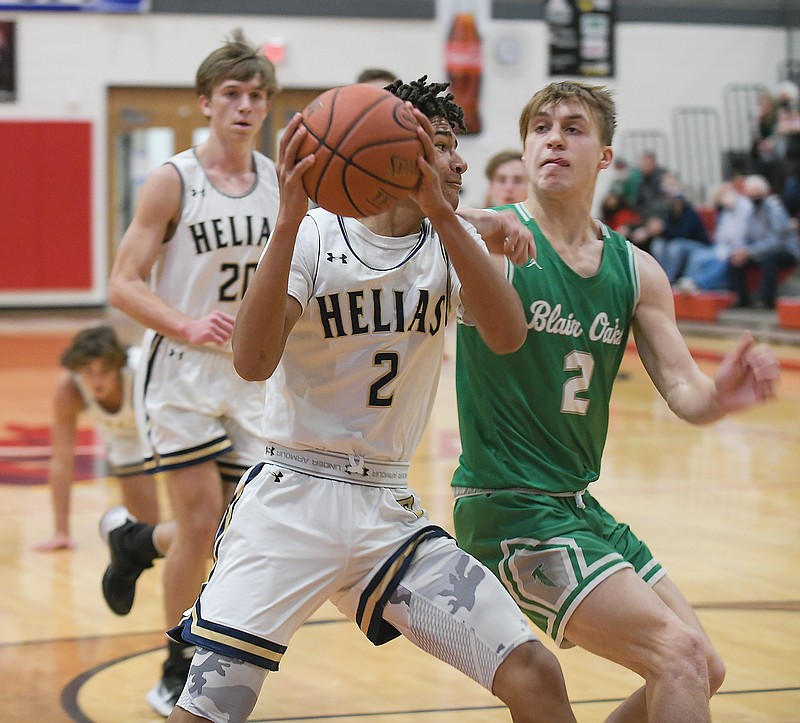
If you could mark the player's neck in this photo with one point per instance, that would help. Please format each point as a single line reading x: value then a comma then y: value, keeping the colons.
x: 401, y: 220
x: 562, y: 220
x: 230, y: 158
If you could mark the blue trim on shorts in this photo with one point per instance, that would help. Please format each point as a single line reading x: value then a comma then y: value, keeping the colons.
x: 378, y: 630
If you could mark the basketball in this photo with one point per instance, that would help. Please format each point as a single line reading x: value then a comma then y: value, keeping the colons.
x: 365, y: 144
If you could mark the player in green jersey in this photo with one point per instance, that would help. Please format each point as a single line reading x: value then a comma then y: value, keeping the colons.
x: 534, y: 423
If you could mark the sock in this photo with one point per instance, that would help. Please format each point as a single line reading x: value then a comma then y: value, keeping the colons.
x: 138, y: 543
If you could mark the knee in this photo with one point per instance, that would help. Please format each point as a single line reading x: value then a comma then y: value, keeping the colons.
x: 716, y: 671
x: 199, y: 531
x: 682, y: 654
x: 530, y: 678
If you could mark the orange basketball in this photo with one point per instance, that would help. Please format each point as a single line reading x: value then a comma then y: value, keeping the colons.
x: 365, y: 144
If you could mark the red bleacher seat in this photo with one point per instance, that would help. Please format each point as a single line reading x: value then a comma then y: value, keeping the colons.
x: 788, y: 313
x: 702, y: 305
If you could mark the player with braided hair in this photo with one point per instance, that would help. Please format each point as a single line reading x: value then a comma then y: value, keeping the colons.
x: 345, y: 319
x: 427, y: 98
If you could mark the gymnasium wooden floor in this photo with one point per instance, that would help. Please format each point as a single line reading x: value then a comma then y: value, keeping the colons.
x: 719, y: 505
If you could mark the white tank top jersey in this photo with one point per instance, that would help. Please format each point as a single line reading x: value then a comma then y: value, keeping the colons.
x: 208, y: 261
x: 361, y: 366
x: 123, y: 421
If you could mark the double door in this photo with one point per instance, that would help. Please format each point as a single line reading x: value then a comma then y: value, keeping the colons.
x: 148, y: 125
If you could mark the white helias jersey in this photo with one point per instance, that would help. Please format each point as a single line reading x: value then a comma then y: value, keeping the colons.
x: 208, y: 261
x: 361, y: 367
x: 123, y: 421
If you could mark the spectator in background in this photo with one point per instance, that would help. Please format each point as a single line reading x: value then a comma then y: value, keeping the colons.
x: 617, y: 214
x: 508, y: 179
x: 766, y: 151
x: 626, y: 181
x: 706, y: 267
x: 770, y: 244
x: 379, y: 77
x: 789, y: 132
x: 651, y: 199
x: 682, y: 232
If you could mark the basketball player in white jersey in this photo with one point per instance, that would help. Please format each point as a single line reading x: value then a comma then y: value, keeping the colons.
x: 346, y: 319
x: 201, y: 224
x: 98, y: 382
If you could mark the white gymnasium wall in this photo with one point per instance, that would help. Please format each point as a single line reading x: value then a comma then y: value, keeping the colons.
x: 66, y: 61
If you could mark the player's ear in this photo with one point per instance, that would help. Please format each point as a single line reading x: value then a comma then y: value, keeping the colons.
x: 204, y: 109
x: 606, y: 157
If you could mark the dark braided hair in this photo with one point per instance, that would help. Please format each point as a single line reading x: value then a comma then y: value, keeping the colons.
x: 426, y: 97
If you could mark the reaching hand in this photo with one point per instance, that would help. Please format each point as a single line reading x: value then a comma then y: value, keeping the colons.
x: 747, y: 376
x: 516, y: 240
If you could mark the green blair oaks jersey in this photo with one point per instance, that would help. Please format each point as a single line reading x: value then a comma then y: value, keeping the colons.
x: 538, y: 418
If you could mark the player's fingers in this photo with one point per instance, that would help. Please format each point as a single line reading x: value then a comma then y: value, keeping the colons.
x: 422, y: 119
x: 746, y: 342
x: 289, y: 133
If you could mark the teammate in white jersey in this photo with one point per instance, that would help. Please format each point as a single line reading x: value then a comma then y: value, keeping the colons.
x: 201, y: 224
x: 97, y: 381
x: 346, y: 320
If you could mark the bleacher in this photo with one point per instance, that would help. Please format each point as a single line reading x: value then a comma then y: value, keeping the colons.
x: 708, y: 149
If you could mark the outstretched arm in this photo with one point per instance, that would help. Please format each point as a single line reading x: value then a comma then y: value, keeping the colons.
x: 67, y: 405
x: 503, y: 233
x: 745, y: 377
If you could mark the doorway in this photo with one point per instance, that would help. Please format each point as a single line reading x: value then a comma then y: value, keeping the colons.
x: 146, y: 126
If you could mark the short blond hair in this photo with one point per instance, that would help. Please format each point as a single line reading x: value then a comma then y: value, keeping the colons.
x: 236, y: 60
x: 595, y: 98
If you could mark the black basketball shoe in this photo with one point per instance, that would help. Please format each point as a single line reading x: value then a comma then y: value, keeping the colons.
x: 163, y: 697
x: 124, y: 534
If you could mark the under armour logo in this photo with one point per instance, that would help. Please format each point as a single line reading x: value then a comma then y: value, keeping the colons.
x: 178, y: 354
x: 198, y: 192
x: 332, y: 258
x: 356, y: 466
x: 277, y: 476
x: 270, y: 451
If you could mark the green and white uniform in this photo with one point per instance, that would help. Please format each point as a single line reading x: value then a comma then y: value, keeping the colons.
x: 533, y: 427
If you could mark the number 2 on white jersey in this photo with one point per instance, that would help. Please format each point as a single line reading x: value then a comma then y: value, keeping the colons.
x: 583, y: 362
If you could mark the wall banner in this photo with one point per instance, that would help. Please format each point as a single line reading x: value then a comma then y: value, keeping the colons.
x: 581, y: 37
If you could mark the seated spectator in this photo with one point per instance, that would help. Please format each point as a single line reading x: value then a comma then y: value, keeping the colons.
x: 617, y: 214
x: 508, y: 179
x: 706, y: 267
x: 655, y: 189
x: 789, y: 132
x: 626, y: 181
x: 651, y: 200
x: 682, y: 232
x: 771, y: 244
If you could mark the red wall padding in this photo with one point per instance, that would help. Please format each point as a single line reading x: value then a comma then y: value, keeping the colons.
x: 45, y: 206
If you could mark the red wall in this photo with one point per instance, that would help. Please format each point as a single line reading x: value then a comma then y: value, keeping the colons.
x: 45, y: 206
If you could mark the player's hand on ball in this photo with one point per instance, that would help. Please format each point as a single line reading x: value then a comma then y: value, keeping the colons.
x: 294, y: 199
x: 428, y: 192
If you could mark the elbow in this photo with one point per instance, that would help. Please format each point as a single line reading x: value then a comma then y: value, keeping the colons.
x: 251, y: 368
x: 115, y: 297
x: 507, y: 340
